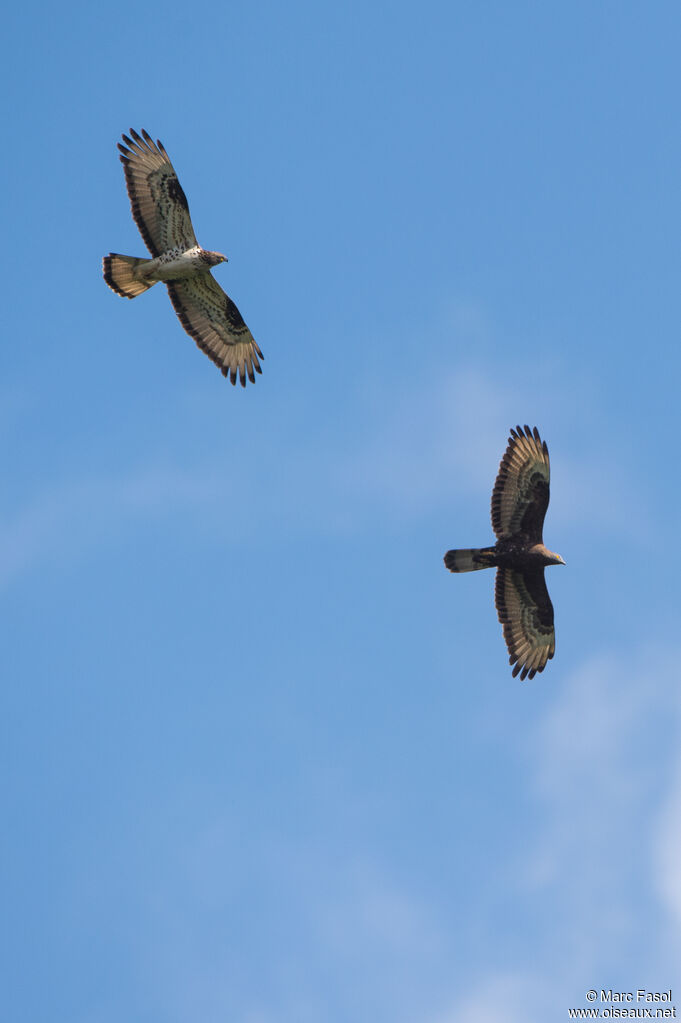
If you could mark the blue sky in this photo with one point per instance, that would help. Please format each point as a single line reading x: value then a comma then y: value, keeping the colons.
x: 263, y: 757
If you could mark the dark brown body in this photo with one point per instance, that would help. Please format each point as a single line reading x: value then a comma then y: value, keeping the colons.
x: 519, y: 502
x: 515, y: 552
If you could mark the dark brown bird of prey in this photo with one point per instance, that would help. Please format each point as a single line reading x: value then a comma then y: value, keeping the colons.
x: 519, y: 503
x: 160, y: 210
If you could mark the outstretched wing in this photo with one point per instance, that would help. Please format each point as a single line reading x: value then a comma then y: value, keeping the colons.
x: 211, y: 318
x: 521, y: 492
x: 526, y: 614
x: 159, y: 205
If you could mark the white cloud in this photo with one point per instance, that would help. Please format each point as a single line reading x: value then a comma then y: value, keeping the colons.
x: 597, y: 489
x: 666, y: 857
x: 606, y: 779
x: 370, y: 910
x: 438, y: 436
x: 591, y: 759
x: 501, y: 998
x: 336, y: 934
x: 414, y: 441
x: 79, y: 514
x: 318, y: 915
x: 429, y: 439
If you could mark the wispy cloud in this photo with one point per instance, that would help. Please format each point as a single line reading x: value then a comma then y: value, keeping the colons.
x: 604, y: 848
x: 592, y: 775
x: 501, y: 998
x: 440, y: 438
x: 420, y: 443
x: 74, y: 515
x: 339, y: 932
x: 666, y: 852
x: 401, y: 446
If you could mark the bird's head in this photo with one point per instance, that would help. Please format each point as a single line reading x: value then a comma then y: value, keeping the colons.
x: 215, y: 257
x: 546, y: 556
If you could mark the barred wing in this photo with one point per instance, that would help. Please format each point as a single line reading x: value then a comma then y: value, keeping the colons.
x: 158, y: 202
x: 526, y: 614
x: 521, y: 492
x: 211, y: 318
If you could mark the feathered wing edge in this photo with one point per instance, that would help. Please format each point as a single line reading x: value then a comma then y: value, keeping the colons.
x: 526, y: 615
x: 210, y: 317
x: 160, y: 208
x: 157, y: 200
x: 521, y: 490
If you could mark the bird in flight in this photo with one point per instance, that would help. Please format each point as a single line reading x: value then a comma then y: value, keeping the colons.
x: 160, y: 210
x: 519, y: 502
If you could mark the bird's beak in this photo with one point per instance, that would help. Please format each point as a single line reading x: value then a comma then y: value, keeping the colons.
x: 560, y: 560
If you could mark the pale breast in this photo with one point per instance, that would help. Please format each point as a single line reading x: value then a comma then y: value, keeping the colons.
x: 177, y: 264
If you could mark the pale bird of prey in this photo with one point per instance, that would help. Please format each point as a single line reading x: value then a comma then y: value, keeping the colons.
x: 160, y: 210
x: 519, y: 502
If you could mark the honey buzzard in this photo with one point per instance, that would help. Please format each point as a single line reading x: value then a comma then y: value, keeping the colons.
x: 519, y: 502
x: 160, y: 210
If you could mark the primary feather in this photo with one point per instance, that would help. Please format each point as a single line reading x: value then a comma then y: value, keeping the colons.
x: 519, y: 502
x: 161, y: 212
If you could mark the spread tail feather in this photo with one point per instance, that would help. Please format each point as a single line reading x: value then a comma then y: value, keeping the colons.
x: 471, y: 559
x: 121, y: 274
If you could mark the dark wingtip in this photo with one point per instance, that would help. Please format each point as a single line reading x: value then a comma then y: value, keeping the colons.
x: 147, y: 141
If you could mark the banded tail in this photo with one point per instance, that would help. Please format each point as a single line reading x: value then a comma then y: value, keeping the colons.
x: 472, y: 559
x: 121, y: 274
